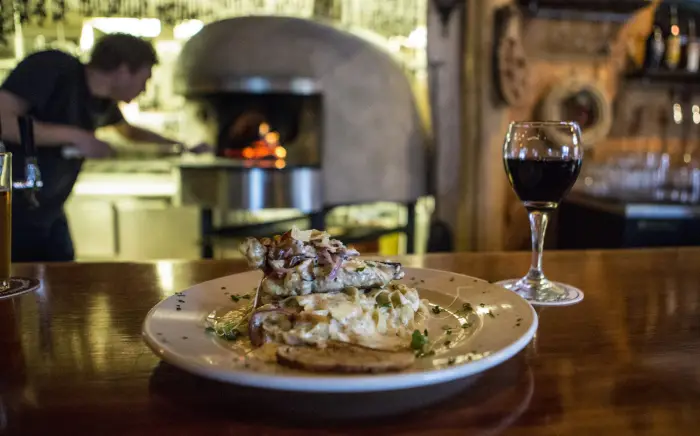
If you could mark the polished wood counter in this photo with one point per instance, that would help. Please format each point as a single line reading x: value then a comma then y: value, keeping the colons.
x: 623, y: 362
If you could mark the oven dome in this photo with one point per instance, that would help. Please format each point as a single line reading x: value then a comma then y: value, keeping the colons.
x: 373, y: 143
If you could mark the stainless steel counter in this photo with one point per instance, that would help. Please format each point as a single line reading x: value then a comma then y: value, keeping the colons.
x: 637, y: 210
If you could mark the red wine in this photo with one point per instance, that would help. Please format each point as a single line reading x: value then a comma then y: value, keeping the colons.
x: 542, y: 183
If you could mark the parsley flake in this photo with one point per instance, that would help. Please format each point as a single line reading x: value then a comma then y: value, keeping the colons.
x: 418, y: 341
x: 436, y: 309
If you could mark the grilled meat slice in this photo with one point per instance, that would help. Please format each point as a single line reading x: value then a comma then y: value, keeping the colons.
x: 309, y: 279
x: 300, y: 263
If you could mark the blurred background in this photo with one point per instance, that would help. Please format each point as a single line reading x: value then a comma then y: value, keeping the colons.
x: 383, y: 121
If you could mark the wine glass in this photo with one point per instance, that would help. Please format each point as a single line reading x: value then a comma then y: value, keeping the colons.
x: 542, y: 160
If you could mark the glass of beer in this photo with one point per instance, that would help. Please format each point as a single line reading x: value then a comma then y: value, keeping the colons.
x: 5, y: 219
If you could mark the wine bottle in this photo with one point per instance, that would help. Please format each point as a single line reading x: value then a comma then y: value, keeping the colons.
x: 693, y: 49
x: 673, y: 43
x: 656, y: 47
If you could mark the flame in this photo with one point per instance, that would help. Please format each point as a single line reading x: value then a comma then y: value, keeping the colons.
x: 248, y: 153
x: 280, y: 152
x: 272, y: 138
x: 267, y: 146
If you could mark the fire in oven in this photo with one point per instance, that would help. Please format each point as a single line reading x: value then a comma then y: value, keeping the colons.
x: 280, y: 129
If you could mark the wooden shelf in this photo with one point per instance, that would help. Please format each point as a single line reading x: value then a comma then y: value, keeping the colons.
x: 582, y: 10
x: 671, y: 79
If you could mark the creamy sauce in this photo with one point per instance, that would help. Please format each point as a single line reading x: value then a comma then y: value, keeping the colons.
x: 381, y: 319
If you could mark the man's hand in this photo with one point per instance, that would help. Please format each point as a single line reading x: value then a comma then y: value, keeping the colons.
x: 89, y: 146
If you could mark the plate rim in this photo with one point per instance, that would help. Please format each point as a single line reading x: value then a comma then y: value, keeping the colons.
x: 344, y: 383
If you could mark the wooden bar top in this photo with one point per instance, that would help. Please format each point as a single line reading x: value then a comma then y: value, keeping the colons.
x: 625, y: 361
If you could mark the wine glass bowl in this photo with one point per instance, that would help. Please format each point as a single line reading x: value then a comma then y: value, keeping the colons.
x: 542, y: 161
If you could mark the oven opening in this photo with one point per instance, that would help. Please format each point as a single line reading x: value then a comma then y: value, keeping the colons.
x: 269, y: 128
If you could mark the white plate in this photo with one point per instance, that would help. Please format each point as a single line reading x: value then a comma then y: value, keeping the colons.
x: 500, y: 324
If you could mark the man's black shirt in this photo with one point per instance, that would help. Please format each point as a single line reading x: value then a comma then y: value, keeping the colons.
x: 54, y: 85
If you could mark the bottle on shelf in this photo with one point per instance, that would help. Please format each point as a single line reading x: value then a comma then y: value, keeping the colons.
x: 657, y: 47
x: 693, y: 49
x: 673, y: 41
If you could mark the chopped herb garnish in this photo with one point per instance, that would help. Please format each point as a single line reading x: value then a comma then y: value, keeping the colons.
x: 451, y: 361
x: 235, y: 298
x: 418, y: 341
x: 518, y: 320
x: 466, y: 325
x: 491, y: 314
x: 362, y: 268
x: 452, y: 279
x: 178, y: 308
x: 425, y: 332
x: 481, y: 304
x: 387, y: 305
x: 413, y: 278
x: 209, y: 329
x: 447, y: 343
x: 448, y: 332
x: 245, y: 297
x: 436, y: 309
x: 466, y: 307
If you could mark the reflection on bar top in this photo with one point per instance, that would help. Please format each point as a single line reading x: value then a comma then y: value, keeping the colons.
x: 638, y: 209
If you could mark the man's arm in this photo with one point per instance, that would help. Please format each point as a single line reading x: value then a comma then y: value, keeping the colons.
x: 169, y: 146
x: 138, y: 134
x: 45, y: 134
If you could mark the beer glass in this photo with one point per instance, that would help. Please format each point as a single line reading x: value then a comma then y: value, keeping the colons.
x: 5, y: 219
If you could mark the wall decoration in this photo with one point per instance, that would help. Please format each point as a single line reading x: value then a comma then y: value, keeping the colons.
x: 510, y: 62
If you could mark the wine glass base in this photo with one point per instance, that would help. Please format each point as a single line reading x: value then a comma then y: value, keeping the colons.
x: 555, y: 293
x: 18, y: 286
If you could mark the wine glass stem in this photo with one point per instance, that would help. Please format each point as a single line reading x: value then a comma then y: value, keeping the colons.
x: 538, y: 227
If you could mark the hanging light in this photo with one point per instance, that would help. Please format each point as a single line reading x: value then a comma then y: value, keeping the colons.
x: 141, y: 27
x: 187, y: 29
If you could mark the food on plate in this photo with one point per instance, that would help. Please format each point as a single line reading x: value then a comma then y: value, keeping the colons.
x: 309, y: 262
x: 327, y: 310
x: 344, y: 358
x: 380, y: 318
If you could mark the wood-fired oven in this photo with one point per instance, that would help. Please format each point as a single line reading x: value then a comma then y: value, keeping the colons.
x: 303, y: 115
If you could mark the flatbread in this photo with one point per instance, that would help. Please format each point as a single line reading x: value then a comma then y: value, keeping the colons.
x: 344, y: 359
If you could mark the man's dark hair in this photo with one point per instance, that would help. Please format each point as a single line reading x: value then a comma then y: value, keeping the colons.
x: 116, y: 49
